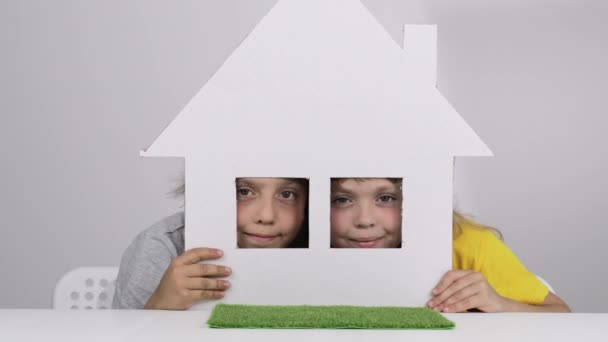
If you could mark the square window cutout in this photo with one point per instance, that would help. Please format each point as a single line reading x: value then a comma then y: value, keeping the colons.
x: 366, y: 212
x: 272, y: 212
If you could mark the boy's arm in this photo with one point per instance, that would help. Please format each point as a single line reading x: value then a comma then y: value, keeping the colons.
x: 142, y: 266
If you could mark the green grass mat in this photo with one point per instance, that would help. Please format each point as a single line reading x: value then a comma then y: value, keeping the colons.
x: 325, y: 317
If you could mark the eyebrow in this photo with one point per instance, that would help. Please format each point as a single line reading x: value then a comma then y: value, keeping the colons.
x: 385, y: 188
x: 339, y: 188
x: 389, y: 188
x: 284, y: 182
x: 240, y: 181
x: 287, y: 182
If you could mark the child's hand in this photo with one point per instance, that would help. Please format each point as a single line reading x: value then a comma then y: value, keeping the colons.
x: 461, y: 290
x: 185, y: 281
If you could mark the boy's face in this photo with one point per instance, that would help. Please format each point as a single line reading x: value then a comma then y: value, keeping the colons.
x: 365, y: 213
x: 270, y: 211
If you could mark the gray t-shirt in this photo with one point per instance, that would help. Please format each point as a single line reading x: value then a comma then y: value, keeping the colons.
x: 145, y: 261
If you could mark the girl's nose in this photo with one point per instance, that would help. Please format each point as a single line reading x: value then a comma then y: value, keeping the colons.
x: 265, y: 213
x: 364, y: 217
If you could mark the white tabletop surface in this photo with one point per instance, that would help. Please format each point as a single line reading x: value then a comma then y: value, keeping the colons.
x: 183, y: 326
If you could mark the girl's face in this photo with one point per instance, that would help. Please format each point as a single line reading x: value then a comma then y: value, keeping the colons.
x: 365, y: 213
x: 270, y: 211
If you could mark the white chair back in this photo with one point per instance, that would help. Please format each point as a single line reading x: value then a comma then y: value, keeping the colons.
x: 92, y: 288
x: 86, y: 288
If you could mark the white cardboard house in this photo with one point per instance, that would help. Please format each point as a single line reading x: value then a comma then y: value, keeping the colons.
x: 319, y: 90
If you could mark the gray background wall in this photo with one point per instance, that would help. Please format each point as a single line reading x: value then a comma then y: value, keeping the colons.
x: 85, y: 85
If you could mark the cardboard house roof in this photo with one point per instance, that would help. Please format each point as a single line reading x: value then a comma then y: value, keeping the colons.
x: 318, y: 75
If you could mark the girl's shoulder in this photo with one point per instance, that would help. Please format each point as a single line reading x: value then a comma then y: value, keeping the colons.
x: 481, y: 249
x: 473, y: 245
x: 474, y: 235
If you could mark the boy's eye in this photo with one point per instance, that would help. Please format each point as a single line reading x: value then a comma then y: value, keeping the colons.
x: 340, y: 201
x: 287, y: 194
x: 387, y: 198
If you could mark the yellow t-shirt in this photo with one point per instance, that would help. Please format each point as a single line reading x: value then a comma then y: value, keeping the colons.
x: 480, y: 250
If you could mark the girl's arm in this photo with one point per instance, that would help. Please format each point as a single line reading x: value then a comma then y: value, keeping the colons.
x: 490, y: 278
x: 462, y: 290
x: 552, y: 303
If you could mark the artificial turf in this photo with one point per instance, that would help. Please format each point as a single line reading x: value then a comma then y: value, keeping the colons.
x: 325, y: 317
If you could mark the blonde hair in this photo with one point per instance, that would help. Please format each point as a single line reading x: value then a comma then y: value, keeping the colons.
x: 459, y: 220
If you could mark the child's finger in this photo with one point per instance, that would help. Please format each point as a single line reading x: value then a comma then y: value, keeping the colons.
x: 197, y: 295
x: 206, y: 284
x: 463, y: 305
x: 466, y: 292
x: 197, y: 254
x: 448, y: 279
x: 452, y: 282
x: 206, y: 270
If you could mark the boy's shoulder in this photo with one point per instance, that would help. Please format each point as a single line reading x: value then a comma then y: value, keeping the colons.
x: 168, y: 225
x: 168, y: 231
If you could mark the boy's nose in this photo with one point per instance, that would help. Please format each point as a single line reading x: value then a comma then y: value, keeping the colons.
x: 266, y: 213
x: 364, y: 218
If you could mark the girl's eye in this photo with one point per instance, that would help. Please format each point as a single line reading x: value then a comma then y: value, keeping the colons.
x: 387, y: 198
x: 287, y: 194
x: 244, y: 192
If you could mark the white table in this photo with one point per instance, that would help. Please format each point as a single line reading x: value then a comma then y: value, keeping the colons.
x: 184, y: 326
